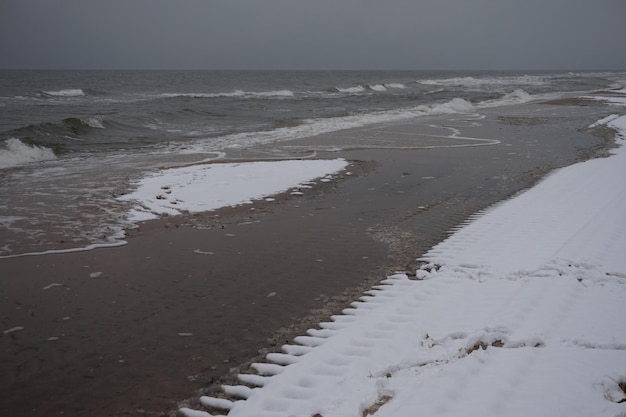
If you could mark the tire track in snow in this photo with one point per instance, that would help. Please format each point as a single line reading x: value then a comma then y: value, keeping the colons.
x: 390, y: 349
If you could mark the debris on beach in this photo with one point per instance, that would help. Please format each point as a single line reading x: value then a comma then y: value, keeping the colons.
x: 13, y: 329
x: 54, y: 284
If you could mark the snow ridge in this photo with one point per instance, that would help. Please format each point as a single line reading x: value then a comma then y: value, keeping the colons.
x: 429, y: 340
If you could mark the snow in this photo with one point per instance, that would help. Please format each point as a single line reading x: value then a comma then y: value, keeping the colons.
x: 518, y: 313
x: 208, y: 187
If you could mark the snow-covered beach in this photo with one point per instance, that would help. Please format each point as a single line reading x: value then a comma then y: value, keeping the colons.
x: 519, y: 312
x: 135, y: 329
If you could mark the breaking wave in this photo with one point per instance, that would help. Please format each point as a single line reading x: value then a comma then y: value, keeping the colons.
x: 53, y: 132
x: 484, y: 81
x: 357, y: 89
x: 456, y: 105
x: 349, y: 90
x: 377, y: 87
x: 515, y: 97
x: 95, y: 122
x: 73, y: 92
x: 76, y: 125
x: 235, y: 93
x: 395, y: 85
x: 16, y: 153
x: 519, y: 96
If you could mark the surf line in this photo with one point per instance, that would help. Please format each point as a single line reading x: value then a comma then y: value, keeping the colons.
x: 486, y: 142
x: 69, y: 250
x: 481, y: 142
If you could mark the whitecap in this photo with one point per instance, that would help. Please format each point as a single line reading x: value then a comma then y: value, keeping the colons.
x: 95, y: 122
x: 234, y: 93
x: 395, y: 85
x: 279, y: 93
x: 456, y: 81
x: 72, y: 92
x: 456, y: 105
x: 472, y: 82
x: 351, y: 90
x: 377, y: 87
x: 16, y: 153
x: 438, y: 90
x: 517, y: 96
x: 428, y: 82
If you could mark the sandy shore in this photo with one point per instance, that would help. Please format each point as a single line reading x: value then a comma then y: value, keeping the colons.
x: 133, y: 330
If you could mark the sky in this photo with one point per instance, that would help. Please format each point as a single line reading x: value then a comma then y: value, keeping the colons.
x: 319, y: 34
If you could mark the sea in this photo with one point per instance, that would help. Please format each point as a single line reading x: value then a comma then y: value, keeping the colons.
x: 72, y: 142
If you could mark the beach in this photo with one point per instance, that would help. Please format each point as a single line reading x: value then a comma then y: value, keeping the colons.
x: 518, y: 312
x: 190, y: 301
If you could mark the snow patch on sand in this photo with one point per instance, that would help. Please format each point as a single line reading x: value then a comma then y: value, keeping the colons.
x: 208, y: 187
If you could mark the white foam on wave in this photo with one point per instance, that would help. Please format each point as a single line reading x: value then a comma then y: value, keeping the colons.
x: 456, y: 105
x: 16, y: 153
x: 517, y: 96
x: 358, y: 89
x: 234, y: 93
x: 438, y: 90
x: 459, y: 105
x: 278, y: 93
x: 95, y: 122
x: 377, y: 87
x: 480, y: 82
x: 395, y: 85
x: 352, y: 90
x: 72, y: 92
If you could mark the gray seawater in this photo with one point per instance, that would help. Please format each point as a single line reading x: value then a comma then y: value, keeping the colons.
x: 70, y: 141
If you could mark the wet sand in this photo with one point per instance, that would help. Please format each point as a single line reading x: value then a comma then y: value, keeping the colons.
x: 135, y: 330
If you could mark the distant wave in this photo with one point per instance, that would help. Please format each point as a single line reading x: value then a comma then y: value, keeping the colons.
x: 377, y: 87
x: 394, y: 85
x: 95, y: 122
x: 349, y: 90
x: 456, y: 105
x: 478, y: 82
x: 73, y: 92
x: 235, y: 93
x: 16, y: 153
x: 457, y: 81
x: 514, y: 97
x: 459, y: 105
x: 71, y: 126
x: 357, y: 89
x: 438, y: 90
x: 279, y: 93
x: 79, y: 125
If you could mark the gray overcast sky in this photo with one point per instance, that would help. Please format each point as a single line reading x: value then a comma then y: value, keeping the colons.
x: 313, y: 34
